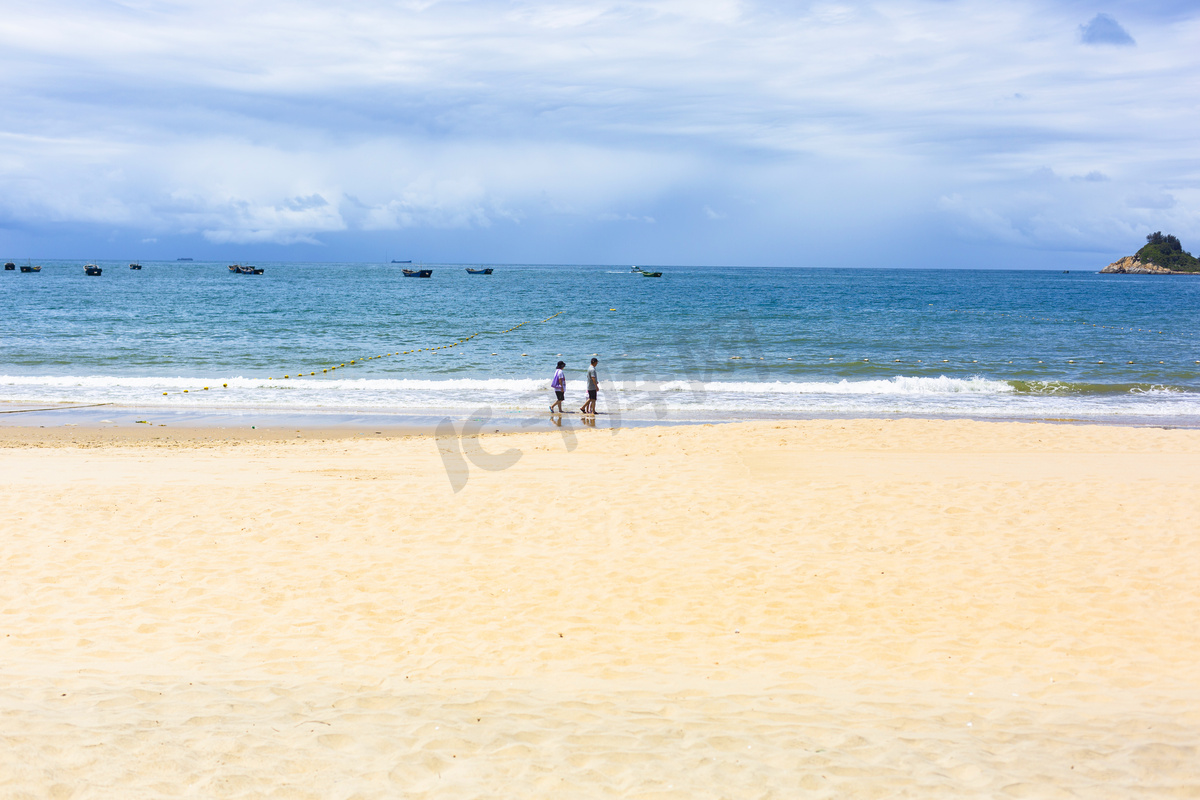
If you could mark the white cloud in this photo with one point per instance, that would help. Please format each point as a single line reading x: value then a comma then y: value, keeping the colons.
x: 227, y: 121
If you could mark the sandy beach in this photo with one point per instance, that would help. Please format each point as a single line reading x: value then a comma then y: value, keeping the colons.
x: 909, y: 608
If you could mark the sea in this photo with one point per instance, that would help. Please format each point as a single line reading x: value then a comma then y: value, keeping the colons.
x: 698, y: 344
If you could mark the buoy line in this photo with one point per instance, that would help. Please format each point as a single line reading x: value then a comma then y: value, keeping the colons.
x: 54, y: 408
x: 1056, y: 319
x: 357, y: 361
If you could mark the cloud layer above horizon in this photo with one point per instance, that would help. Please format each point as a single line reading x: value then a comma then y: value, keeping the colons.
x: 667, y: 132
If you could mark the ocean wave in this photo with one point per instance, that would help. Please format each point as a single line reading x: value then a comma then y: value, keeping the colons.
x: 898, y: 385
x: 1068, y: 388
x: 974, y: 396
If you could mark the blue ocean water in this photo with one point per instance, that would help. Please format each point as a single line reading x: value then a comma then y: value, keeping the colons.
x: 697, y: 343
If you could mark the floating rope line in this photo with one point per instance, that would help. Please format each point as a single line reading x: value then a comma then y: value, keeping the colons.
x: 54, y: 408
x: 1034, y: 318
x: 360, y: 361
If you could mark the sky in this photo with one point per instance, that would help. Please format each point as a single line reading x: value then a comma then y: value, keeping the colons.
x: 913, y: 133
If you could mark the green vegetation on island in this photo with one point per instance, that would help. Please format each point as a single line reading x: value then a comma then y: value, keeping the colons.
x: 1167, y: 252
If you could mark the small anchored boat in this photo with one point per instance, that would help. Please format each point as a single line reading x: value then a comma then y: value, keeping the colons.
x: 651, y: 274
x: 238, y: 269
x: 27, y: 268
x: 135, y: 266
x: 417, y: 273
x: 480, y: 271
x: 10, y: 265
x: 91, y: 269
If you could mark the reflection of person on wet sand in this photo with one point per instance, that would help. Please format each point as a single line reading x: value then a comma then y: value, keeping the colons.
x: 587, y: 420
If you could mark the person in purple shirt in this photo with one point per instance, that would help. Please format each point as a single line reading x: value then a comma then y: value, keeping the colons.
x: 559, y: 384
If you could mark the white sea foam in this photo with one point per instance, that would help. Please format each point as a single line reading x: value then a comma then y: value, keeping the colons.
x: 976, y: 396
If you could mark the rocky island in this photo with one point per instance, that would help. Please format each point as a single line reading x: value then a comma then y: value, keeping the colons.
x: 1162, y: 255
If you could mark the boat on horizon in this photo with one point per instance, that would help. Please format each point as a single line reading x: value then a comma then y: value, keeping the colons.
x: 28, y: 268
x: 479, y: 271
x: 183, y: 259
x: 135, y: 266
x: 417, y: 273
x: 8, y: 265
x: 90, y: 269
x: 238, y: 269
x: 650, y: 274
x: 394, y: 261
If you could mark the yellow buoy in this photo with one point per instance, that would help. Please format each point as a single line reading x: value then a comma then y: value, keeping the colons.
x: 226, y: 385
x: 164, y: 394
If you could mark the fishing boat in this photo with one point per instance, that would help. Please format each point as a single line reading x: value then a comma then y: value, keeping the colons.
x: 135, y: 266
x: 10, y: 265
x: 27, y: 268
x: 238, y: 269
x: 91, y: 269
x: 480, y: 271
x: 417, y: 273
x: 635, y: 269
x: 651, y: 274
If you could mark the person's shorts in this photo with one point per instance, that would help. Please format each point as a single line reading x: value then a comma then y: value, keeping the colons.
x: 559, y: 394
x: 591, y: 394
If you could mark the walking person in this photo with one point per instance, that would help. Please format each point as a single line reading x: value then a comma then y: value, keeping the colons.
x: 559, y: 384
x: 593, y: 387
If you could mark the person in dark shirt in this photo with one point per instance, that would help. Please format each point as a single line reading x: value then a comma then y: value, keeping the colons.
x: 593, y: 387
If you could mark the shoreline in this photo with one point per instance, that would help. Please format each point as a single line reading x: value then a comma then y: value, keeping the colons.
x: 254, y: 423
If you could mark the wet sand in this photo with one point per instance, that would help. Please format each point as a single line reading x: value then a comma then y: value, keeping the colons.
x: 823, y: 608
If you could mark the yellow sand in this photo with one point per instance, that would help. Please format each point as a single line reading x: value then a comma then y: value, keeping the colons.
x: 839, y: 609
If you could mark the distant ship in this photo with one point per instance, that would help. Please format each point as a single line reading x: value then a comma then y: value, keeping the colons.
x: 183, y: 259
x: 394, y: 261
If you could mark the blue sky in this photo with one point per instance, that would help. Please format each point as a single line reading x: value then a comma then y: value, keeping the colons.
x: 935, y: 133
